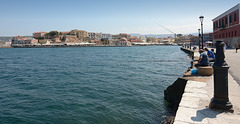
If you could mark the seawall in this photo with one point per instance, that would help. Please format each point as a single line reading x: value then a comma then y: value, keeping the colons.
x: 173, y: 93
x: 193, y: 106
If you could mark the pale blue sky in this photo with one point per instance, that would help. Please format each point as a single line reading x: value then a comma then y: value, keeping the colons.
x: 23, y: 17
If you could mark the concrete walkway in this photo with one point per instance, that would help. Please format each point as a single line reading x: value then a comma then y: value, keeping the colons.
x: 233, y: 60
x: 193, y: 108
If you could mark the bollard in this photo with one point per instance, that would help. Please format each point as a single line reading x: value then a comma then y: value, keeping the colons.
x: 220, y: 101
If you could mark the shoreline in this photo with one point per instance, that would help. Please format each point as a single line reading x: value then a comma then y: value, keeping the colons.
x: 5, y: 47
x: 85, y: 45
x: 174, y: 92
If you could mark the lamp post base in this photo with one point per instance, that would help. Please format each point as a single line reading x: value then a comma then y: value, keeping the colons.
x: 221, y: 105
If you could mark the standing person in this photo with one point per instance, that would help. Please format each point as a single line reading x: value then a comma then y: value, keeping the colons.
x: 225, y: 46
x: 203, y: 59
x: 236, y: 46
x: 210, y: 55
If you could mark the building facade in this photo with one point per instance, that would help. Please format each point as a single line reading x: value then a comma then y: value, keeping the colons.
x: 226, y: 27
x: 122, y: 35
x: 106, y: 35
x: 207, y: 37
x: 39, y: 34
x: 93, y: 35
x: 81, y: 34
x: 23, y: 40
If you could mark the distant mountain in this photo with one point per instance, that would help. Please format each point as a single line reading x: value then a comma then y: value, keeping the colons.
x: 160, y: 35
x: 153, y: 35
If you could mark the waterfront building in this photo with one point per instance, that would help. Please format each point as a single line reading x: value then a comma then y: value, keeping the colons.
x: 151, y: 39
x: 165, y: 40
x: 207, y: 37
x: 39, y: 34
x: 194, y: 40
x: 226, y: 27
x: 81, y: 34
x: 106, y: 36
x: 23, y: 40
x: 7, y: 43
x: 134, y: 39
x: 124, y: 35
x: 116, y: 37
x: 143, y: 39
x: 93, y: 35
x: 124, y: 42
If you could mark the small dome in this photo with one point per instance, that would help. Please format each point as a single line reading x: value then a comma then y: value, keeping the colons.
x: 124, y: 39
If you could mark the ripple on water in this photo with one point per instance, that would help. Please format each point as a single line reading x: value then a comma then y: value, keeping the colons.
x: 87, y: 84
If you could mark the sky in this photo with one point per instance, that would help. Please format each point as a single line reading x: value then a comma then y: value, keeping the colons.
x: 23, y: 17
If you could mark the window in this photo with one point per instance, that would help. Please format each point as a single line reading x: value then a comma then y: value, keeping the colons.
x: 235, y: 33
x: 226, y: 34
x: 230, y: 18
x: 232, y: 33
x: 235, y: 17
x: 226, y: 21
x: 222, y: 23
x: 229, y: 34
x: 217, y: 24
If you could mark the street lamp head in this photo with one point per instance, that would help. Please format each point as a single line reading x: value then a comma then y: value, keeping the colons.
x: 201, y: 18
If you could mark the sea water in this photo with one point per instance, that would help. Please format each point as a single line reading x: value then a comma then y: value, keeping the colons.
x: 88, y: 85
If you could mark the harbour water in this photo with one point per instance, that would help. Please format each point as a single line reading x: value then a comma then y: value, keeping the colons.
x: 87, y: 84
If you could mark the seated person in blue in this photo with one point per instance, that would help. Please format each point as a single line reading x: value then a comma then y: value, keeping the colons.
x: 210, y: 55
x: 194, y: 48
x: 203, y: 59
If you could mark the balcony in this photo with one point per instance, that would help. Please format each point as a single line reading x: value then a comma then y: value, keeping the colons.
x: 222, y: 27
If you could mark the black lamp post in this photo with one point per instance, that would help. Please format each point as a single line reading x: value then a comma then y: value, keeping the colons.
x: 201, y: 19
x: 199, y: 38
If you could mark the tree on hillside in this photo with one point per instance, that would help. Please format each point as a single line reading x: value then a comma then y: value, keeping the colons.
x: 52, y: 34
x: 179, y: 35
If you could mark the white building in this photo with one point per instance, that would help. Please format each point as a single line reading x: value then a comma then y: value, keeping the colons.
x: 143, y: 39
x: 105, y: 35
x: 94, y: 35
x: 98, y: 36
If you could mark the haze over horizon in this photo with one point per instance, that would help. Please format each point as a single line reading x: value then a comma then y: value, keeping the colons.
x: 136, y: 16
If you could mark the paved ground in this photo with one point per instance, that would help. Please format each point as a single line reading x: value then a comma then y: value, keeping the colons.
x: 194, y: 105
x: 193, y: 108
x: 233, y: 59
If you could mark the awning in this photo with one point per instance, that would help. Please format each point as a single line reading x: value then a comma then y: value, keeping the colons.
x: 208, y: 42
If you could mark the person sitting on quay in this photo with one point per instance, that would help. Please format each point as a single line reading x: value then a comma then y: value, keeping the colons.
x: 210, y: 55
x: 203, y: 59
x: 213, y: 51
x: 195, y: 47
